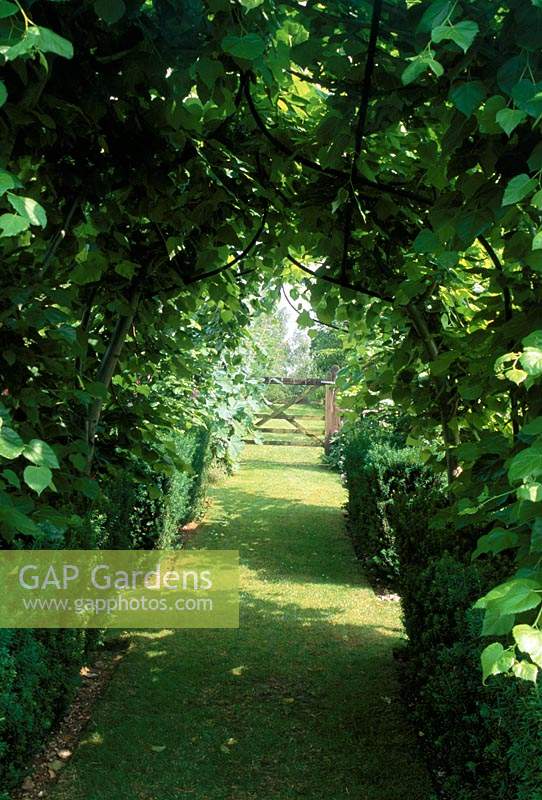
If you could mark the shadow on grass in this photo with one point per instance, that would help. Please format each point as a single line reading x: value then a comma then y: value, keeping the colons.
x: 277, y: 467
x: 300, y: 701
x: 287, y: 707
x: 284, y: 539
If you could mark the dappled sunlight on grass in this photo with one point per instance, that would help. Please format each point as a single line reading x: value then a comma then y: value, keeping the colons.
x: 300, y: 702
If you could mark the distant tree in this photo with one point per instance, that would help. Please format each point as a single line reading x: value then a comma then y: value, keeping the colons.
x: 326, y: 351
x: 299, y: 358
x: 268, y: 334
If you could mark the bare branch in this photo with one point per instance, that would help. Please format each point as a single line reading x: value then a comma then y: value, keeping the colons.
x: 60, y: 235
x: 338, y: 282
x: 210, y: 273
x: 313, y: 319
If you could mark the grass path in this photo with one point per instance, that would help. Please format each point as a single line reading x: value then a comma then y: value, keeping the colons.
x: 300, y: 702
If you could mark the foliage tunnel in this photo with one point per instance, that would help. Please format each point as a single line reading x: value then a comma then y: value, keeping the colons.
x: 167, y: 165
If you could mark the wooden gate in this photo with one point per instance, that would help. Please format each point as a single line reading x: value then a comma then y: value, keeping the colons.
x: 330, y: 417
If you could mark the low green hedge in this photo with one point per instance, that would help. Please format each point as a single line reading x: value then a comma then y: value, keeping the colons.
x: 383, y: 482
x: 143, y: 510
x: 481, y: 741
x: 39, y: 669
x: 38, y: 676
x: 186, y: 491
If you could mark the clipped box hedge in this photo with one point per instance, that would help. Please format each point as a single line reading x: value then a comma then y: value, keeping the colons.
x: 388, y: 490
x: 481, y: 741
x: 39, y: 669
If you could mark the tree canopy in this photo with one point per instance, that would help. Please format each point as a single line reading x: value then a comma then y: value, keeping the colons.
x: 168, y: 164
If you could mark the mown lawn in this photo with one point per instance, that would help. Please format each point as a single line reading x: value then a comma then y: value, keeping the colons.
x: 310, y: 415
x: 299, y: 702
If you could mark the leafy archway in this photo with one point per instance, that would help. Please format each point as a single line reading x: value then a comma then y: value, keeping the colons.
x: 168, y: 164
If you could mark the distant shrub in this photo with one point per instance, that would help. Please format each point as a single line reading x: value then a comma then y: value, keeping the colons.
x: 186, y: 491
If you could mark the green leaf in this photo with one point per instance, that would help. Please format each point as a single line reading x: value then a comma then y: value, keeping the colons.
x: 248, y: 47
x: 12, y: 478
x: 533, y: 428
x: 18, y: 521
x: 436, y: 13
x: 209, y: 71
x: 7, y: 9
x: 416, y: 68
x: 110, y: 10
x: 496, y: 541
x: 537, y: 240
x: 525, y: 671
x: 426, y: 242
x: 13, y: 224
x: 467, y: 97
x: 486, y: 115
x: 515, y: 375
x: 79, y: 461
x: 532, y: 492
x: 495, y: 660
x: 38, y: 478
x: 462, y: 33
x: 534, y: 260
x: 534, y: 339
x: 88, y: 487
x: 436, y: 67
x: 11, y: 444
x: 126, y: 269
x: 26, y: 45
x: 529, y: 640
x: 536, y: 199
x: 469, y: 451
x: 497, y: 624
x: 510, y: 118
x: 341, y: 198
x: 531, y: 361
x: 518, y: 188
x: 29, y: 209
x: 535, y: 159
x: 97, y: 390
x: 518, y: 599
x: 526, y: 465
x: 87, y: 272
x: 3, y: 93
x: 443, y: 362
x: 41, y: 454
x: 51, y: 42
x: 536, y: 536
x: 8, y: 181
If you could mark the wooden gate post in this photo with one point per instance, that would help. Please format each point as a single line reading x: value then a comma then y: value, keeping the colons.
x: 333, y: 416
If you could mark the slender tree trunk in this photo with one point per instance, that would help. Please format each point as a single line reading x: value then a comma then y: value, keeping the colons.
x: 84, y: 329
x: 107, y: 369
x: 444, y: 391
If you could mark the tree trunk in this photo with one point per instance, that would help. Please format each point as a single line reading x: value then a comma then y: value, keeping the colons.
x: 107, y: 370
x: 444, y: 390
